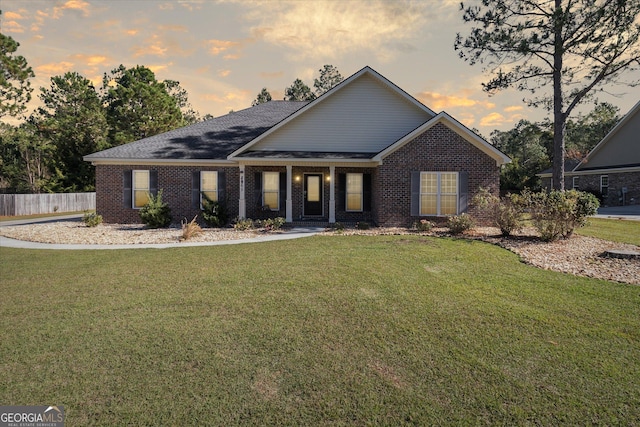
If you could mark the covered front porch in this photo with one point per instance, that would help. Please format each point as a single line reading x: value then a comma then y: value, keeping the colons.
x: 307, y: 192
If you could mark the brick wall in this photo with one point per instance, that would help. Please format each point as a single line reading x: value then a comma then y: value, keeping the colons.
x: 630, y: 180
x: 176, y: 183
x: 438, y: 149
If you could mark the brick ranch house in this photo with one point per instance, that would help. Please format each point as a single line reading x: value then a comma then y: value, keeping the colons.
x: 364, y: 151
x: 612, y: 168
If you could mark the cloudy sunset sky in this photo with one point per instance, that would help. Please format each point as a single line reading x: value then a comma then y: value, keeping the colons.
x: 224, y: 52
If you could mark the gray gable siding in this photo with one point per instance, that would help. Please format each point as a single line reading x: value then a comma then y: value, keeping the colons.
x: 364, y: 117
x: 621, y: 148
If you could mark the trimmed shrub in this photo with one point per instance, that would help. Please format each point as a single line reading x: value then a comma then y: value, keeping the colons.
x: 505, y: 213
x: 214, y: 213
x: 362, y: 225
x: 558, y: 213
x: 92, y: 219
x: 458, y: 224
x: 422, y: 226
x: 272, y: 224
x: 156, y: 213
x: 243, y: 224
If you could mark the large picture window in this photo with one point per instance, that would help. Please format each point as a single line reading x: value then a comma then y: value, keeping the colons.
x: 209, y: 185
x: 354, y: 190
x: 140, y: 189
x: 438, y: 193
x: 271, y: 190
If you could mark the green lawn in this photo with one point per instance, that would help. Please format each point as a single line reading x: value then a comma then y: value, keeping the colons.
x: 612, y: 229
x: 345, y: 330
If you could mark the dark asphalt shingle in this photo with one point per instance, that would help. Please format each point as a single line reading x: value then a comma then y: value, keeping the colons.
x: 212, y: 139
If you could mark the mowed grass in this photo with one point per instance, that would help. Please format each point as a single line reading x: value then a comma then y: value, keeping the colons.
x: 615, y: 230
x: 343, y: 330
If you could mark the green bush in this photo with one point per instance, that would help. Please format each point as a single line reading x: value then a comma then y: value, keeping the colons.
x: 362, y: 225
x: 92, y: 219
x: 272, y: 224
x: 422, y: 225
x: 505, y: 213
x: 558, y: 213
x: 459, y: 223
x: 214, y: 213
x: 243, y: 224
x: 338, y: 226
x: 156, y: 213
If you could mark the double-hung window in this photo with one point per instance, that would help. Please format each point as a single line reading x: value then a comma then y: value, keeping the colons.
x: 271, y: 190
x: 604, y: 185
x: 576, y: 183
x: 208, y: 186
x: 438, y: 193
x: 141, y: 188
x: 354, y: 190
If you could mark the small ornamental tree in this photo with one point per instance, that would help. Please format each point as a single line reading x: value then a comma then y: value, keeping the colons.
x: 214, y: 212
x: 156, y: 213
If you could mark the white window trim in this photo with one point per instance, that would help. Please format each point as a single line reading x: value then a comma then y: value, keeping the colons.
x: 202, y: 189
x: 604, y: 186
x: 277, y: 191
x: 439, y: 193
x: 346, y: 191
x: 134, y: 188
x: 575, y: 183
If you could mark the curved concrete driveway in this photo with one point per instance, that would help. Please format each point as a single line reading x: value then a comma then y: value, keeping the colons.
x: 7, y: 242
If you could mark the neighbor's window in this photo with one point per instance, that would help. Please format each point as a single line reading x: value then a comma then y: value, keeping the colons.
x: 576, y: 183
x: 140, y: 188
x: 354, y: 192
x: 209, y: 185
x: 438, y: 193
x: 271, y: 190
x: 604, y: 185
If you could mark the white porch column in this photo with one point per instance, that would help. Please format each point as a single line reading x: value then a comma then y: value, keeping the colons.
x: 289, y: 204
x: 332, y: 194
x: 242, y: 207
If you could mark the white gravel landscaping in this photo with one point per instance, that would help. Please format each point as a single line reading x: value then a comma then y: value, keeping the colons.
x: 577, y: 255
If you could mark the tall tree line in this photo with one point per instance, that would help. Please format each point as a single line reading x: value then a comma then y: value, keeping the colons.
x: 531, y: 145
x: 44, y: 153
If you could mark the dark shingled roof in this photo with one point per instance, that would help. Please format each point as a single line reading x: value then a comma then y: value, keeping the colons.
x: 212, y: 139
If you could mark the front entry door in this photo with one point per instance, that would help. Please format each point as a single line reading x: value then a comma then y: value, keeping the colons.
x: 313, y: 195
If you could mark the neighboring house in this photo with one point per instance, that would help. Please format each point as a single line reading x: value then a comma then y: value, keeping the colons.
x: 364, y: 151
x: 612, y: 168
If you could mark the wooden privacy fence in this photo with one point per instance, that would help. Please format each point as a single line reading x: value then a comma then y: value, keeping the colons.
x: 31, y: 204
